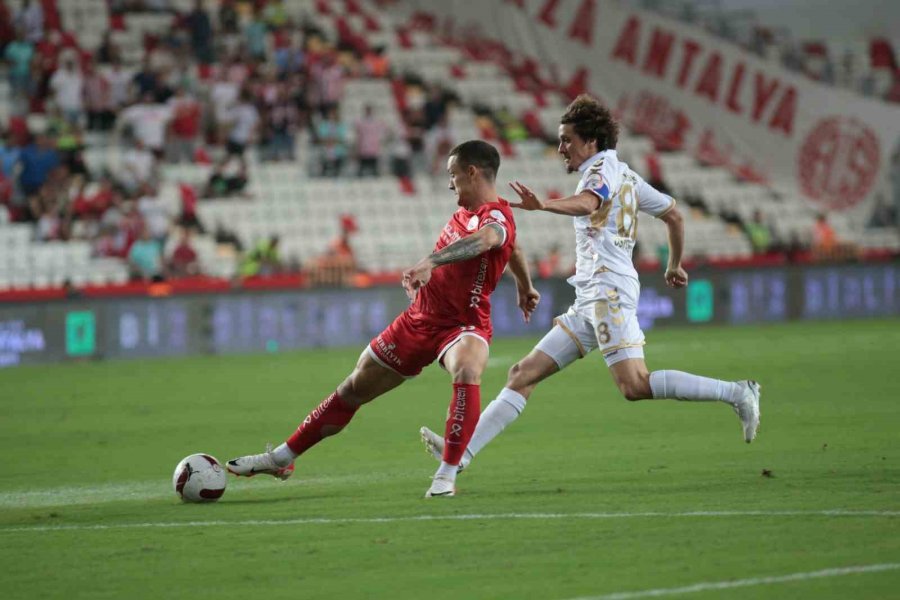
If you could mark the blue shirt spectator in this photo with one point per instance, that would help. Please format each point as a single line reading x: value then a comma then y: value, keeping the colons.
x: 38, y: 160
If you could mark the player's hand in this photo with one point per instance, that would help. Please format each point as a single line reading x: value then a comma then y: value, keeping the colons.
x: 530, y: 201
x: 676, y: 277
x: 417, y: 277
x: 528, y: 300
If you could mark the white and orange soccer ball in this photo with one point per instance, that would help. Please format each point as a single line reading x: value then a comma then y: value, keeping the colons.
x: 199, y: 478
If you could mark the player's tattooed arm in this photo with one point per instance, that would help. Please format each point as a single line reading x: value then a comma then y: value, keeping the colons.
x: 470, y: 246
x: 484, y: 239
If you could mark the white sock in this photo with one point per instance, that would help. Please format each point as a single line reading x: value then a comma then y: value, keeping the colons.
x: 283, y: 455
x: 684, y: 386
x: 502, y: 411
x: 447, y: 471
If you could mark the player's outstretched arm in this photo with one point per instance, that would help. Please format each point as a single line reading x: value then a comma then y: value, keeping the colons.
x: 676, y: 276
x: 578, y: 205
x: 528, y: 297
x: 489, y: 236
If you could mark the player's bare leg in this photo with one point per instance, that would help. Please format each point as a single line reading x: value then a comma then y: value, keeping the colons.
x: 636, y: 382
x: 504, y: 409
x: 367, y: 381
x: 465, y: 361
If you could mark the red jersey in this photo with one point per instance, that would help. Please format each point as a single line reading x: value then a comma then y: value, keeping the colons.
x: 458, y: 294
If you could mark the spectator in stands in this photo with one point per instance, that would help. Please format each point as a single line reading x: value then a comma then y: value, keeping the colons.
x: 338, y: 264
x: 31, y: 19
x: 376, y: 63
x: 275, y: 14
x: 7, y: 25
x: 370, y: 134
x: 226, y: 180
x: 38, y: 159
x: 439, y: 140
x: 148, y: 121
x: 182, y: 261
x: 287, y: 53
x: 146, y: 80
x: 264, y: 259
x: 145, y: 257
x: 255, y: 34
x: 400, y: 153
x: 331, y: 137
x: 223, y: 95
x: 156, y: 215
x: 435, y: 107
x: 824, y: 237
x: 244, y: 120
x: 119, y: 85
x: 327, y: 78
x: 229, y: 19
x: 185, y: 126
x: 200, y: 30
x: 107, y: 52
x: 18, y: 55
x: 9, y: 156
x: 758, y: 233
x: 98, y: 100
x: 884, y: 214
x: 139, y: 167
x: 281, y: 123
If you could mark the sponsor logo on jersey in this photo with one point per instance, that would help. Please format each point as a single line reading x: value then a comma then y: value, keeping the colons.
x: 498, y: 215
x: 387, y: 351
x: 622, y: 242
x: 478, y: 287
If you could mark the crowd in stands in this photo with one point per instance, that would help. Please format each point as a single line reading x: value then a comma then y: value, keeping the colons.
x: 874, y: 73
x: 221, y: 81
x: 227, y: 77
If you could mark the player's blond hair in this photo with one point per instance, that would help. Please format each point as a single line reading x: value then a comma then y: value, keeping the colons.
x: 592, y: 121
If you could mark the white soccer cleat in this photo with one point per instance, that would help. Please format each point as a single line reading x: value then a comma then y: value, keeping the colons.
x: 748, y: 409
x: 434, y: 445
x: 248, y: 466
x: 441, y: 488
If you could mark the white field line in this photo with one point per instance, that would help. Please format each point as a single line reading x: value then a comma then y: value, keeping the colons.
x: 470, y: 517
x: 151, y: 490
x: 753, y: 581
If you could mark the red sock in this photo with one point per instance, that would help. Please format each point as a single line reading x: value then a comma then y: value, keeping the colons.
x: 333, y: 414
x: 465, y: 408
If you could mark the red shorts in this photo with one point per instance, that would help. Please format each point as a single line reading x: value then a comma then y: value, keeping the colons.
x: 410, y: 344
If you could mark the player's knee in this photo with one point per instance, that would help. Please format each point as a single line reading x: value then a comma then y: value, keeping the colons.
x: 635, y: 390
x: 519, y: 376
x: 466, y: 374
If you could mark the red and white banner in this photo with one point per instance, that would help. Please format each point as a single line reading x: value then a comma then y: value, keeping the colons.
x: 689, y: 89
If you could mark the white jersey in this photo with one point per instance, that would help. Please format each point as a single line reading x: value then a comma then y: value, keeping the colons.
x: 604, y: 240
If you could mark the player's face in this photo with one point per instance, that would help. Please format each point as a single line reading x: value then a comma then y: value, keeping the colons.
x: 460, y: 181
x: 573, y: 148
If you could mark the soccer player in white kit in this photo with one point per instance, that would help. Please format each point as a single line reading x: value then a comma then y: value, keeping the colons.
x: 605, y: 208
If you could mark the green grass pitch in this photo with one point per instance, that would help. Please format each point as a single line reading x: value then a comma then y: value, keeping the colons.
x: 586, y: 495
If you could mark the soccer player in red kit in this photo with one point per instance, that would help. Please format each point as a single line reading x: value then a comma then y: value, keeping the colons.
x: 448, y: 320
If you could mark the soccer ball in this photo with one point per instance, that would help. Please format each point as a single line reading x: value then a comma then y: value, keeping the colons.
x: 199, y: 478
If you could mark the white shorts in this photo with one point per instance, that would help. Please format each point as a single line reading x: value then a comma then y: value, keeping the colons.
x: 609, y: 323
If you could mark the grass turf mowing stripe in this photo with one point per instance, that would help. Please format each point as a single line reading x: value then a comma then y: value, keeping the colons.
x: 750, y: 582
x: 471, y: 517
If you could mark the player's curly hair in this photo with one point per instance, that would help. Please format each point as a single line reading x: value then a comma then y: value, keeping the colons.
x: 592, y: 121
